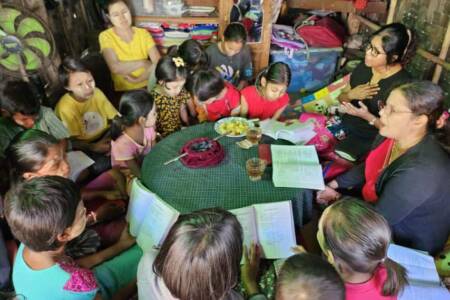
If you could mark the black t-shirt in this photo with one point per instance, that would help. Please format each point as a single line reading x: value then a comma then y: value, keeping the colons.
x: 362, y: 75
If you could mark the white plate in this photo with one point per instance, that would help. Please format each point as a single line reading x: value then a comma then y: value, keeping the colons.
x: 230, y: 119
x: 202, y: 9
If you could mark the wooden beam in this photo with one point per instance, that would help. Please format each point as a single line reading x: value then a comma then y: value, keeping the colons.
x: 442, y: 55
x: 422, y: 52
x: 339, y: 6
x: 392, y: 7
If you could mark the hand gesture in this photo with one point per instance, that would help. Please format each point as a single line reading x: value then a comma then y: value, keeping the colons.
x: 361, y: 112
x: 363, y: 91
x: 326, y: 196
x: 250, y: 268
x: 126, y: 240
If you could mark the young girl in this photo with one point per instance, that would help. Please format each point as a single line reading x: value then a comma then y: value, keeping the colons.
x: 133, y: 132
x: 191, y: 51
x: 86, y: 113
x: 355, y: 239
x: 45, y: 214
x: 34, y: 153
x: 213, y: 98
x: 198, y: 260
x: 169, y: 95
x: 268, y: 97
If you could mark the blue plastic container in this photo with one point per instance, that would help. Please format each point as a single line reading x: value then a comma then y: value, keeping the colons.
x: 311, y: 69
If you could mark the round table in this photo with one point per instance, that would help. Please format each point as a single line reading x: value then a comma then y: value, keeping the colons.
x: 225, y: 185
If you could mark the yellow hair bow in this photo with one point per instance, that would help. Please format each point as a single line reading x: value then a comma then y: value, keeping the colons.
x: 178, y: 61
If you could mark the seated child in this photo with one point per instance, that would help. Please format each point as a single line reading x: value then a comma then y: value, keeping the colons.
x: 86, y: 113
x: 34, y: 153
x: 170, y: 96
x: 133, y: 132
x: 191, y: 51
x: 213, y: 98
x: 26, y: 110
x: 268, y: 97
x: 231, y: 57
x: 355, y: 239
x: 44, y: 214
x: 307, y: 276
x: 198, y: 260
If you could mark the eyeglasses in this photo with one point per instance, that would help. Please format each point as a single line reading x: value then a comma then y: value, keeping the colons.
x: 372, y: 50
x: 388, y: 110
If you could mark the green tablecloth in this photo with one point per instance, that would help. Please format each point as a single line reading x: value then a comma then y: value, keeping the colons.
x: 225, y: 185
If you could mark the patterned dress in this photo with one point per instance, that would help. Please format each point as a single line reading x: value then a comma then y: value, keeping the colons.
x: 168, y: 109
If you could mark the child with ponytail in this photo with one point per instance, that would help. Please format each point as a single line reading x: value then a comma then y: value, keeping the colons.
x: 355, y: 239
x: 268, y: 97
x: 133, y: 132
x: 170, y: 97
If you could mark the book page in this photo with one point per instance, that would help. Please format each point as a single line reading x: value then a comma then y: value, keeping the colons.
x: 246, y: 216
x: 149, y: 216
x: 78, y: 161
x: 420, y: 266
x: 296, y: 167
x: 297, y: 133
x: 276, y: 232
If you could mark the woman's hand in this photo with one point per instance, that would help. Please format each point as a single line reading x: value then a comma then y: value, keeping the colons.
x: 250, y: 269
x: 361, y: 112
x: 363, y: 91
x: 327, y: 195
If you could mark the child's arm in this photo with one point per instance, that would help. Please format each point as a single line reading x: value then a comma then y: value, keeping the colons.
x: 242, y: 84
x: 244, y: 107
x: 191, y: 107
x: 278, y: 113
x: 134, y: 167
x: 184, y: 114
x: 125, y: 242
x: 101, y: 146
x: 236, y: 111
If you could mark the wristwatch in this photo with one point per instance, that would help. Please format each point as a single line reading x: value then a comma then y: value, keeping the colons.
x: 372, y: 122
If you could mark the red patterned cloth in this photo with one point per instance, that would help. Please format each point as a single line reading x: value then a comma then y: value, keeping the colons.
x: 81, y: 280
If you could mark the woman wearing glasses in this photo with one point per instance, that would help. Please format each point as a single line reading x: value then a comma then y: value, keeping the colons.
x: 387, y: 52
x: 406, y: 176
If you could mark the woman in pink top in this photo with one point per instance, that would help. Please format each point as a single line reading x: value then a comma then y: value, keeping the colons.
x: 133, y: 132
x: 267, y: 98
x: 355, y: 239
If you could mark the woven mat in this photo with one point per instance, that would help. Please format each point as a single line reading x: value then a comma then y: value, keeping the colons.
x: 225, y: 185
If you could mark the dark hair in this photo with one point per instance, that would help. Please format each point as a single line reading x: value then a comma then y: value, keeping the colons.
x: 191, y: 51
x: 277, y: 72
x: 18, y: 97
x: 235, y: 32
x: 205, y: 84
x: 201, y: 255
x: 398, y: 42
x: 427, y: 98
x: 308, y: 276
x: 109, y: 3
x: 133, y: 105
x: 359, y: 237
x: 40, y: 209
x: 167, y: 70
x: 27, y: 152
x: 70, y: 65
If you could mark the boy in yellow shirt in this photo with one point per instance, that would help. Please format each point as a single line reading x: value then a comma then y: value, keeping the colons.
x: 127, y: 49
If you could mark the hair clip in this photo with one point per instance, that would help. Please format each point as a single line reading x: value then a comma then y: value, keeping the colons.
x: 178, y: 61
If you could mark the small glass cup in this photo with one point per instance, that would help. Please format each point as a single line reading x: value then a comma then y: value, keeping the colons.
x: 255, y: 168
x: 254, y: 135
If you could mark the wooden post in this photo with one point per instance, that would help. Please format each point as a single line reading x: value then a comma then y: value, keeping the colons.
x: 442, y: 55
x: 392, y: 7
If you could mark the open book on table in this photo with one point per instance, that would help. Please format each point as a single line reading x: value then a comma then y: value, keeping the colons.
x: 150, y: 217
x: 296, y: 167
x: 271, y: 225
x: 424, y: 281
x: 296, y: 133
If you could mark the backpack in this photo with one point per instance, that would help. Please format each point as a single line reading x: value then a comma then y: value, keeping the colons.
x: 284, y: 37
x: 321, y: 32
